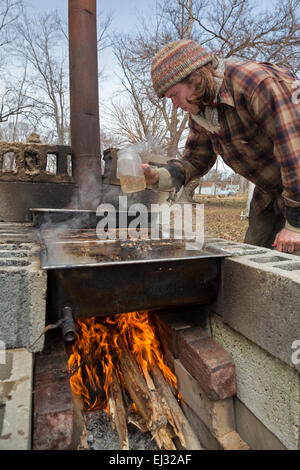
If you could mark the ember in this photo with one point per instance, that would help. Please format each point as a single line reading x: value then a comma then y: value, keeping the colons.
x: 117, y: 364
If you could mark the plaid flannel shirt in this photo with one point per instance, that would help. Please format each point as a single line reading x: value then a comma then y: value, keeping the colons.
x: 259, y: 135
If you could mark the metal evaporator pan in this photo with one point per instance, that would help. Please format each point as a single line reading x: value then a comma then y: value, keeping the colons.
x: 114, y: 276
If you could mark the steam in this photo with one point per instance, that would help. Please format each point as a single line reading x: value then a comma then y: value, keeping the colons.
x: 81, y: 211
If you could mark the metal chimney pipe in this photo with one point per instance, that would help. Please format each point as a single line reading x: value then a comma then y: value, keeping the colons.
x: 84, y: 102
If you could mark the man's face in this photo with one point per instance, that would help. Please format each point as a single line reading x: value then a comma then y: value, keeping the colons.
x: 179, y: 94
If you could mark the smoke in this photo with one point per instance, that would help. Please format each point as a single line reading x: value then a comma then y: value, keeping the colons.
x: 56, y: 227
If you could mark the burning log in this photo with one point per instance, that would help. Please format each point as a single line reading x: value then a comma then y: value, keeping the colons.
x: 157, y: 404
x: 118, y: 412
x: 130, y: 358
x: 146, y: 400
x: 184, y: 432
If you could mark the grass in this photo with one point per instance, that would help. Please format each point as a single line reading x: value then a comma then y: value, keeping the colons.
x: 222, y: 216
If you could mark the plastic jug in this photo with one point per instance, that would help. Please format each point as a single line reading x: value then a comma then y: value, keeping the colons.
x: 130, y: 171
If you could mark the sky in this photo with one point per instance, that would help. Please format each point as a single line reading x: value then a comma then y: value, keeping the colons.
x: 125, y: 15
x: 124, y: 11
x: 125, y: 19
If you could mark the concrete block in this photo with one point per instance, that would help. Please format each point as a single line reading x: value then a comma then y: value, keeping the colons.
x: 206, y: 438
x: 218, y: 416
x: 234, y: 248
x: 16, y: 399
x: 265, y: 385
x: 22, y: 287
x: 259, y: 298
x: 253, y: 431
x: 208, y: 362
x: 232, y: 441
x: 23, y: 297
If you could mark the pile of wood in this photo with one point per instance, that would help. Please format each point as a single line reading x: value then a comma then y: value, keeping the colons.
x: 158, y: 410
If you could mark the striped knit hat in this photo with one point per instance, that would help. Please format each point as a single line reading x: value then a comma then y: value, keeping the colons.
x: 176, y: 61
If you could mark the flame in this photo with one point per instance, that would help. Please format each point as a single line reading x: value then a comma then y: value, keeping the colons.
x: 90, y: 354
x: 96, y: 350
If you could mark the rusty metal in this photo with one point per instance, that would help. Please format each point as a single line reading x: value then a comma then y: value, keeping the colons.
x: 84, y: 102
x: 68, y: 325
x: 98, y: 278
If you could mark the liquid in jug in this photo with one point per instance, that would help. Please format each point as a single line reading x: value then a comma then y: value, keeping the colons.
x: 131, y: 184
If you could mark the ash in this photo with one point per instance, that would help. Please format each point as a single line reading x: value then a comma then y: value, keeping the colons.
x: 101, y: 436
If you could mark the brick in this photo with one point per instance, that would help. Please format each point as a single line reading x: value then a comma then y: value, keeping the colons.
x: 210, y: 364
x: 56, y: 417
x: 206, y: 438
x: 233, y: 441
x: 169, y: 323
x: 193, y: 334
x: 218, y: 416
x: 230, y: 441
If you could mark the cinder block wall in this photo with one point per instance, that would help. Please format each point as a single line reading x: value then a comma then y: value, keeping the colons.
x: 23, y: 287
x: 256, y: 319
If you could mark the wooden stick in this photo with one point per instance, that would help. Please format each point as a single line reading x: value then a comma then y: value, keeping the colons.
x: 177, y: 419
x: 147, y: 401
x: 138, y: 421
x: 147, y: 377
x: 118, y: 412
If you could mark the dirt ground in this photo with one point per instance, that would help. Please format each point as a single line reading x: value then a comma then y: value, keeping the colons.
x: 222, y: 216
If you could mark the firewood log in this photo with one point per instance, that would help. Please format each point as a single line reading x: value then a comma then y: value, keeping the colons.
x: 147, y: 401
x: 118, y: 412
x: 177, y: 419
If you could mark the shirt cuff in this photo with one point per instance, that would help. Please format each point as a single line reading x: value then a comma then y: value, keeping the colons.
x: 292, y: 215
x: 291, y: 227
x: 165, y: 181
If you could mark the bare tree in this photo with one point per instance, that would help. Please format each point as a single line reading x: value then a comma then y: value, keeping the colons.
x: 104, y: 23
x: 109, y: 140
x: 134, y: 54
x: 238, y: 28
x: 11, y: 103
x: 14, y: 107
x: 41, y: 45
x: 228, y: 27
x: 42, y: 42
x: 10, y: 11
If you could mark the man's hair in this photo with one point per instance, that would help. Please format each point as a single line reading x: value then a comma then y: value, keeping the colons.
x: 204, y: 80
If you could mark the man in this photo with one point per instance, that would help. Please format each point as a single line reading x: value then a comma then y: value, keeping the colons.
x: 245, y: 112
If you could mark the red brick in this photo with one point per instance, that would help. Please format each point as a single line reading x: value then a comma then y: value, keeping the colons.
x: 53, y: 405
x: 208, y: 362
x: 169, y: 323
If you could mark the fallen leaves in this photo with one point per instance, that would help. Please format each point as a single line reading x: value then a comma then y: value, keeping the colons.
x: 222, y: 217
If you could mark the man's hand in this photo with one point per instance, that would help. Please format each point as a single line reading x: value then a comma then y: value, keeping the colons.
x: 287, y: 241
x: 151, y: 174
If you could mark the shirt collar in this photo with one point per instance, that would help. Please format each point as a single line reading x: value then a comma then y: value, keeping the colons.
x: 225, y: 97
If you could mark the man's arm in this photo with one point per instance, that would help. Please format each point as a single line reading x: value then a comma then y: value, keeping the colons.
x: 272, y: 107
x: 197, y: 160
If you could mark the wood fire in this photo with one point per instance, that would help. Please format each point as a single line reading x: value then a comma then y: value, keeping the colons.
x: 118, y: 364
